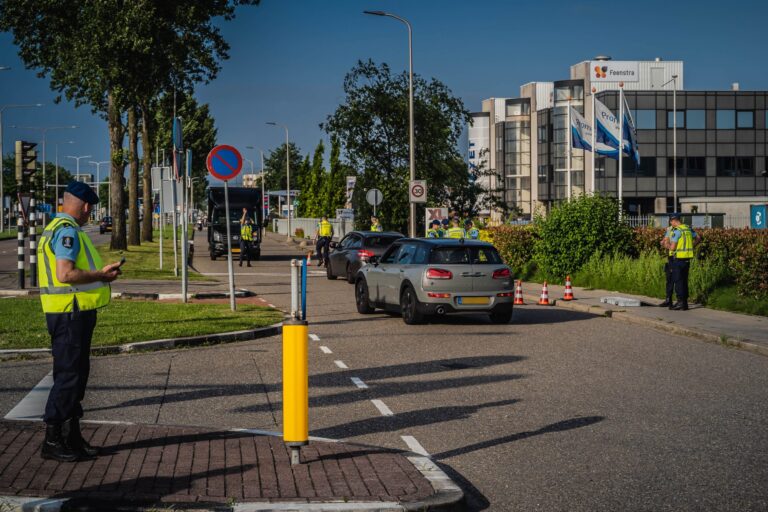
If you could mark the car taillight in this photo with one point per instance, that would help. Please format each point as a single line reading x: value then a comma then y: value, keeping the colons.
x: 433, y: 295
x: 364, y: 254
x: 439, y: 273
x: 502, y: 273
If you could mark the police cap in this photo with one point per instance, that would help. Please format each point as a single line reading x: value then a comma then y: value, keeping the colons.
x: 675, y: 215
x: 82, y: 191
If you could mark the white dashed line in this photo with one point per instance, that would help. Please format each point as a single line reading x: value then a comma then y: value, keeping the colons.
x: 382, y: 407
x: 341, y: 365
x: 414, y: 445
x: 326, y: 350
x: 359, y: 383
x: 32, y: 406
x: 314, y: 337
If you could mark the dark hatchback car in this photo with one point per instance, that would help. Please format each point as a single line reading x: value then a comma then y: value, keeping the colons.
x: 105, y: 225
x: 355, y: 249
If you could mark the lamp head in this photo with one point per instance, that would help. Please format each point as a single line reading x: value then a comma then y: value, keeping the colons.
x: 375, y: 13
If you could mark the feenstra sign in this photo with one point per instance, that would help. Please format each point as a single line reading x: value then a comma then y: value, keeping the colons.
x: 614, y: 71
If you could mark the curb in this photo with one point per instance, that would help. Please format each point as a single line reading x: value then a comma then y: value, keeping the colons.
x: 700, y: 334
x: 142, y: 295
x: 190, y: 341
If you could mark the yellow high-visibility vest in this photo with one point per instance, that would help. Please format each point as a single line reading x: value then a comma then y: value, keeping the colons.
x: 246, y: 232
x: 58, y: 297
x: 684, y: 248
x: 457, y: 233
x: 377, y: 227
x: 325, y: 228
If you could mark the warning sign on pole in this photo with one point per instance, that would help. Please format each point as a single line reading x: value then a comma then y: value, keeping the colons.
x: 417, y: 191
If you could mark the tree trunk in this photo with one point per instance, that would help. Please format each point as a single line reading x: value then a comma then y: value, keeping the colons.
x: 133, y: 180
x: 116, y: 135
x: 146, y: 153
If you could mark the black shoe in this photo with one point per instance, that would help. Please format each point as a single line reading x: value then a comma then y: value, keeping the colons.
x: 680, y: 306
x: 56, y: 446
x: 666, y: 303
x: 249, y: 264
x: 76, y: 441
x: 241, y: 264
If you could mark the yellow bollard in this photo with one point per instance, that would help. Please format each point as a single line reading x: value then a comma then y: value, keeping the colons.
x: 295, y: 386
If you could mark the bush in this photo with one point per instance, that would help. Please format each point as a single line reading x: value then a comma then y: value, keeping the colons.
x: 576, y: 230
x: 648, y: 240
x: 515, y: 245
x: 750, y: 269
x: 299, y: 233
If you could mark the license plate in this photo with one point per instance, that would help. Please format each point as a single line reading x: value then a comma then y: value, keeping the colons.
x: 473, y: 300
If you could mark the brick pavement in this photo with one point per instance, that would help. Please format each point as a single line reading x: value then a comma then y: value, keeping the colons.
x: 154, y: 464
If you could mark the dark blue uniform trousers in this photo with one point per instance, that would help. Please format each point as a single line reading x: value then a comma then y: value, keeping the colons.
x: 71, y: 335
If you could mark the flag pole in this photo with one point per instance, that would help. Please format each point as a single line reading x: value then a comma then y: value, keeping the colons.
x: 621, y: 147
x: 594, y: 149
x: 568, y: 147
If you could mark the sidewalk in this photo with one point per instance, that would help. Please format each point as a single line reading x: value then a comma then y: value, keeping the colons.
x: 744, y: 331
x: 184, y: 467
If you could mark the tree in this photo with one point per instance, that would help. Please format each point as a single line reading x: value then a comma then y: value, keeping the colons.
x: 121, y: 53
x: 334, y: 192
x: 274, y: 167
x: 199, y: 130
x: 372, y: 125
x: 313, y: 184
x: 467, y: 198
x: 133, y: 180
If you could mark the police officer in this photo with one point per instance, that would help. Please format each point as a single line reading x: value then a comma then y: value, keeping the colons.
x: 679, y: 240
x: 456, y: 231
x: 246, y: 237
x: 434, y: 230
x: 471, y: 230
x: 73, y: 285
x: 323, y: 239
x: 375, y: 225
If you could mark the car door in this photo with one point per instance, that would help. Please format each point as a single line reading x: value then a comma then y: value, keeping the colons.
x: 387, y: 273
x: 338, y: 257
x: 405, y: 263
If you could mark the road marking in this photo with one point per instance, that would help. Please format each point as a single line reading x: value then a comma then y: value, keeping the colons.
x: 341, y: 365
x: 359, y: 383
x: 382, y: 407
x: 314, y: 337
x: 32, y: 406
x: 414, y: 445
x: 326, y: 350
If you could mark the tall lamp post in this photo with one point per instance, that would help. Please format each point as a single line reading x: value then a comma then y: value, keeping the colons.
x: 287, y: 173
x: 2, y: 155
x: 56, y: 163
x: 78, y: 158
x: 263, y: 195
x: 412, y: 158
x: 98, y: 181
x: 674, y: 141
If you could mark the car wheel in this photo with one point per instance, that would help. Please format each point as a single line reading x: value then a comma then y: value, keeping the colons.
x: 409, y: 306
x: 350, y: 275
x: 361, y: 298
x: 501, y: 317
x: 328, y: 272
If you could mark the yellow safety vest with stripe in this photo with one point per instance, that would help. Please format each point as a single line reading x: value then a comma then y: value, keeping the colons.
x: 246, y: 232
x: 457, y: 233
x: 58, y: 297
x: 325, y: 228
x: 684, y: 248
x: 377, y: 227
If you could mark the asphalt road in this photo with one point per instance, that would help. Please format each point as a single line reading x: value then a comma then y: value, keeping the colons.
x: 558, y: 410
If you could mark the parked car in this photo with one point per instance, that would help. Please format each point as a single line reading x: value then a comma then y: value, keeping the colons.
x: 355, y: 249
x: 425, y: 276
x: 105, y: 225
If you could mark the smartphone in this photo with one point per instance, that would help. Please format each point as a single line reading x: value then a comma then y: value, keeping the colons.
x: 122, y: 261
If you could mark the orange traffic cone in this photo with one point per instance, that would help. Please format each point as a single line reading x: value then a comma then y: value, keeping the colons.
x: 519, y: 294
x: 309, y: 259
x: 568, y: 289
x: 544, y: 300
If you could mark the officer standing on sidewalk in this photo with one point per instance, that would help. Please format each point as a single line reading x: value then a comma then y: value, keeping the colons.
x: 73, y: 285
x: 456, y: 231
x: 246, y: 237
x: 679, y: 241
x: 376, y: 225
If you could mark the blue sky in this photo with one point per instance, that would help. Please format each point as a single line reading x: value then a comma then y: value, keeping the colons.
x: 289, y: 57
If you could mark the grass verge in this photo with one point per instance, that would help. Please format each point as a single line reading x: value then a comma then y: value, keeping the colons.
x: 7, y: 235
x: 22, y: 321
x: 143, y: 261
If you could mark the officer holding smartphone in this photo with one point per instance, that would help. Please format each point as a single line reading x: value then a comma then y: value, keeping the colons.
x: 74, y: 283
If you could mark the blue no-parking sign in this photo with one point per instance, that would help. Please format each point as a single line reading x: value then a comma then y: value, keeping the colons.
x: 224, y: 162
x: 757, y: 214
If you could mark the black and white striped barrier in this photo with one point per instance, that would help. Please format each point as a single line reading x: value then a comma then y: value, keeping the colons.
x: 20, y: 237
x: 32, y: 245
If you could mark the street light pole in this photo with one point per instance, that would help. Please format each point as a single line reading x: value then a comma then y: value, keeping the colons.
x: 263, y: 194
x: 674, y: 141
x: 98, y: 178
x: 287, y: 173
x: 412, y: 155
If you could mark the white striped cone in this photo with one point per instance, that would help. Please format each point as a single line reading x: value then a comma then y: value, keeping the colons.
x: 519, y: 294
x: 544, y: 300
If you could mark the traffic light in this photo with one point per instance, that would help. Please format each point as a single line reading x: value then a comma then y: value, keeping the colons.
x: 26, y: 159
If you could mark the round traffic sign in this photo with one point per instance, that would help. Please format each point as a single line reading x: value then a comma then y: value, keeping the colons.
x: 417, y: 190
x: 224, y: 162
x: 374, y: 197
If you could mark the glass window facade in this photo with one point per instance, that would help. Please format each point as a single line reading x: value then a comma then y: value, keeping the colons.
x: 745, y: 119
x: 680, y: 119
x: 695, y: 119
x: 725, y: 119
x: 732, y: 166
x: 645, y: 119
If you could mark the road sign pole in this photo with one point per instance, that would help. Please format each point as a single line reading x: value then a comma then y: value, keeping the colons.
x: 230, y: 271
x: 162, y: 218
x: 20, y: 246
x: 175, y: 248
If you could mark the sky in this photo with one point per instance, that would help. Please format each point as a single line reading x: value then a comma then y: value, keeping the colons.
x: 288, y: 59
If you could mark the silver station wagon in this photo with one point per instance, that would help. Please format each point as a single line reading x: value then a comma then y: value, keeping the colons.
x: 426, y: 276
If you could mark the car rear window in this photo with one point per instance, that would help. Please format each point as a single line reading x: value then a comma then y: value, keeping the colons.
x: 465, y: 256
x: 380, y: 241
